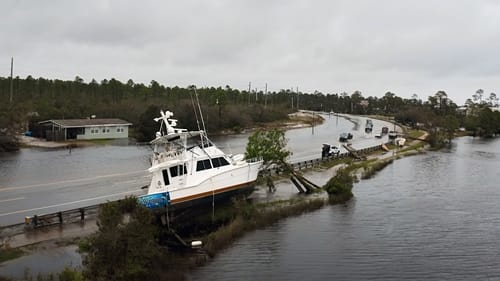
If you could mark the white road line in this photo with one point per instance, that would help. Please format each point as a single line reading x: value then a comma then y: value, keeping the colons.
x: 11, y: 199
x: 67, y: 181
x: 67, y: 203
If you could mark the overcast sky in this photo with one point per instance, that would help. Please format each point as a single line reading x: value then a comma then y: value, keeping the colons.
x: 374, y: 46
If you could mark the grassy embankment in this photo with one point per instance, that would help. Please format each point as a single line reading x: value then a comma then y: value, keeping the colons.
x: 10, y: 254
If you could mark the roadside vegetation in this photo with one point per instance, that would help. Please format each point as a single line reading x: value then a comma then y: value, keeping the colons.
x: 10, y: 254
x: 225, y: 109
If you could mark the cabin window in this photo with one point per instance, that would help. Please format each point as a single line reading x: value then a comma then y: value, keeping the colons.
x: 178, y: 170
x: 203, y: 165
x: 219, y: 161
x: 223, y: 161
x: 165, y: 177
x: 173, y: 171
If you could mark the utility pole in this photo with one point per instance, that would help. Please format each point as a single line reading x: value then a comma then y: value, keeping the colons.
x: 313, y: 124
x: 11, y: 81
x: 265, y: 97
x: 249, y: 87
x: 256, y: 91
x: 297, y: 98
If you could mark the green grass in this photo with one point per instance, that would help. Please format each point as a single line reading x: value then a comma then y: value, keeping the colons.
x: 415, y: 133
x: 10, y: 254
x: 373, y: 168
x: 415, y: 147
x: 251, y: 216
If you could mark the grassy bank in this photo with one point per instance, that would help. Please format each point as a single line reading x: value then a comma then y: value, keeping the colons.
x: 10, y: 254
x: 252, y: 216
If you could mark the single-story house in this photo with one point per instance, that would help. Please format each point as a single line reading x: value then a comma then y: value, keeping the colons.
x: 84, y: 129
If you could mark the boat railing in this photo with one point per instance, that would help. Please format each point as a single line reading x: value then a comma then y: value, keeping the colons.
x: 168, y: 155
x: 254, y: 160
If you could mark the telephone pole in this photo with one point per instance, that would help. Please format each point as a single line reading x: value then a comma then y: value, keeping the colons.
x: 11, y: 81
x: 249, y: 87
x: 265, y: 97
x: 297, y: 98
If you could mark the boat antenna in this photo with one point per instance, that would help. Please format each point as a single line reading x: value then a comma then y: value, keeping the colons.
x: 196, y: 114
x: 194, y: 109
x: 199, y: 109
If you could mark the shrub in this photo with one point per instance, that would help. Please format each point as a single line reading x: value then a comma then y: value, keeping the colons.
x: 340, y: 185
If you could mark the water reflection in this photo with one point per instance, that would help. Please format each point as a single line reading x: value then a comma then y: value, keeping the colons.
x: 427, y: 217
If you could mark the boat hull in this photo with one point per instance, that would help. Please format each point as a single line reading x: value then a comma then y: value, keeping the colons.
x: 217, y: 197
x: 219, y: 186
x: 162, y: 201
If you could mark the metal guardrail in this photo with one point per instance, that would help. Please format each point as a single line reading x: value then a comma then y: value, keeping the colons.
x: 44, y: 220
x: 83, y: 213
x: 313, y: 162
x: 68, y: 216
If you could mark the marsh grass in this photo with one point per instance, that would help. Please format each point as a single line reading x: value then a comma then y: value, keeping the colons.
x: 415, y: 147
x: 415, y: 133
x: 252, y: 216
x: 10, y: 254
x: 373, y: 168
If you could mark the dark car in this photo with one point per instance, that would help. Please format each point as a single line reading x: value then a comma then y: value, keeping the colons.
x: 344, y: 137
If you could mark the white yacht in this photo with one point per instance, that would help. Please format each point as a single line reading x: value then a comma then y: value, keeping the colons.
x: 187, y: 168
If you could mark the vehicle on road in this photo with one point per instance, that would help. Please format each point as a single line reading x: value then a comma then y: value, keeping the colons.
x: 393, y: 134
x: 399, y: 141
x: 329, y: 150
x: 344, y: 137
x: 368, y: 126
x: 385, y: 130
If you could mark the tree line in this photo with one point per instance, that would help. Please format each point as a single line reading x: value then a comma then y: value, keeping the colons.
x: 224, y: 108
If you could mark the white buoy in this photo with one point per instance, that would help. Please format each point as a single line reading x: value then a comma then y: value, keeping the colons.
x: 196, y: 243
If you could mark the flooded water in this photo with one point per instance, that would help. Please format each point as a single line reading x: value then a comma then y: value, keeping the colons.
x: 427, y: 217
x: 39, y: 181
x: 44, y: 262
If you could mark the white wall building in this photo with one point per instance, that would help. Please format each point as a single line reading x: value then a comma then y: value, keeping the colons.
x: 85, y: 129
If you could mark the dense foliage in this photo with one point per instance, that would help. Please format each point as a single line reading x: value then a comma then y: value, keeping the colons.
x: 125, y: 246
x: 341, y: 184
x: 36, y: 99
x: 270, y: 146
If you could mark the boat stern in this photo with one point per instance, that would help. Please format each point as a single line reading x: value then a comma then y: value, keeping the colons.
x: 154, y: 201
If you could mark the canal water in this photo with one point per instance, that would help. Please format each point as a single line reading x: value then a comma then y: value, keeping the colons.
x: 431, y: 216
x: 427, y: 217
